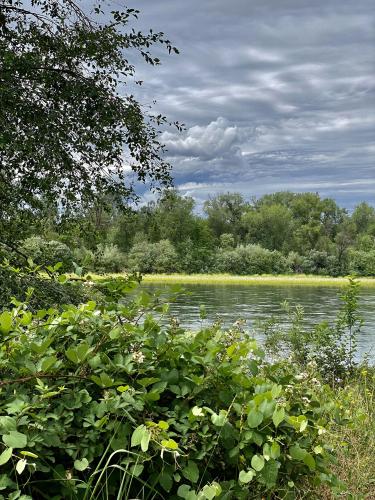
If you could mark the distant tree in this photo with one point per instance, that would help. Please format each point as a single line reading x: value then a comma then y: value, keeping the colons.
x: 270, y: 226
x: 70, y: 127
x: 364, y: 218
x: 224, y: 213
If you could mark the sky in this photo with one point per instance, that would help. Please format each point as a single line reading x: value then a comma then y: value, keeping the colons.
x: 275, y: 95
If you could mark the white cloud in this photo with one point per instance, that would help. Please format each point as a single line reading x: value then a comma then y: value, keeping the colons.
x: 205, y: 142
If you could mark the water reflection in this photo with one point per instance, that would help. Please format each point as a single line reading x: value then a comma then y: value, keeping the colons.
x: 254, y: 303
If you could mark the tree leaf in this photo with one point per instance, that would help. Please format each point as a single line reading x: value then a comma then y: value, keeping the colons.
x: 5, y: 322
x: 5, y: 456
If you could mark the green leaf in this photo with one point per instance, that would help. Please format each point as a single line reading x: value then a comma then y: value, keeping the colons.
x: 309, y: 461
x: 297, y: 453
x: 275, y: 450
x: 184, y: 491
x: 191, y: 472
x: 7, y: 424
x: 136, y: 469
x: 170, y: 443
x: 145, y: 440
x: 5, y: 456
x: 163, y: 425
x: 28, y: 454
x: 20, y: 465
x: 246, y: 476
x: 278, y: 416
x: 197, y: 412
x: 138, y: 435
x: 209, y: 491
x: 48, y: 363
x: 257, y: 462
x: 212, y: 490
x: 219, y: 420
x: 5, y: 322
x: 15, y: 439
x: 72, y: 355
x: 6, y: 482
x: 270, y: 472
x: 254, y: 418
x: 166, y: 481
x: 81, y: 465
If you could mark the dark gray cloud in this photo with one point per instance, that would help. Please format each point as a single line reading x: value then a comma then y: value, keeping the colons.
x: 275, y: 94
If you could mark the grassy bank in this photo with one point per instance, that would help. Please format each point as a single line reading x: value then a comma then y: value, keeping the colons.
x: 355, y: 442
x: 227, y: 279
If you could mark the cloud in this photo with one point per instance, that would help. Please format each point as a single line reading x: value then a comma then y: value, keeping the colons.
x: 214, y: 140
x: 276, y: 94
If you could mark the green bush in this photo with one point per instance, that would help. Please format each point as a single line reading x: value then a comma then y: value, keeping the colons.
x: 160, y: 257
x: 331, y: 347
x: 251, y: 259
x: 84, y: 258
x: 42, y: 292
x: 362, y: 262
x: 108, y: 258
x: 99, y: 404
x: 48, y: 253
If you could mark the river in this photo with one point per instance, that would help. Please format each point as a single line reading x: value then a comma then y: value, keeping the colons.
x: 261, y: 302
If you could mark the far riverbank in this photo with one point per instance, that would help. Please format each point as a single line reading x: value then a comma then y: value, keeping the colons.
x: 279, y: 280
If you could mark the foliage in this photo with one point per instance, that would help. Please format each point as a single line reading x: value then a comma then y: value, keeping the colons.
x: 65, y: 69
x: 354, y: 442
x: 40, y: 291
x: 332, y: 348
x: 116, y: 401
x: 153, y: 257
x: 362, y: 262
x: 108, y: 258
x: 250, y: 259
x: 48, y: 253
x: 311, y: 234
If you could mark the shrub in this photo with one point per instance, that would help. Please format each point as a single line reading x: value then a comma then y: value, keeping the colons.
x: 362, y: 263
x: 85, y: 258
x: 108, y: 258
x: 194, y: 259
x: 98, y: 404
x: 48, y: 253
x: 160, y: 257
x: 332, y: 347
x: 251, y: 259
x: 42, y: 292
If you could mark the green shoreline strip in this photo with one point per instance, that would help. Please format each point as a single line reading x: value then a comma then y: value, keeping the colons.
x: 227, y: 279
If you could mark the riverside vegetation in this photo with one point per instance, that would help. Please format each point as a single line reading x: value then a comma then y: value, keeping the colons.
x: 113, y: 399
x: 279, y: 233
x: 102, y: 394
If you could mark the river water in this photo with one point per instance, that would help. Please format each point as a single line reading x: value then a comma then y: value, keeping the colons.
x: 262, y: 302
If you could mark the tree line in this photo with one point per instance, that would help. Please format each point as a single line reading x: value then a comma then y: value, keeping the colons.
x: 283, y: 232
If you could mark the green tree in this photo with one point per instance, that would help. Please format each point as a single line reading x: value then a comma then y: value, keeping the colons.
x: 364, y: 218
x: 270, y: 226
x: 224, y: 213
x: 70, y: 127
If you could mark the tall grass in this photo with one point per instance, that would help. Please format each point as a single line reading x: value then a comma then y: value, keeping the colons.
x: 355, y: 442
